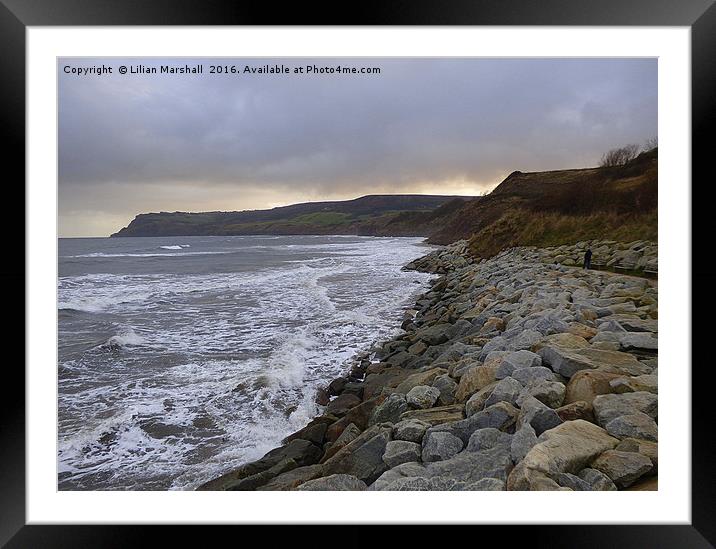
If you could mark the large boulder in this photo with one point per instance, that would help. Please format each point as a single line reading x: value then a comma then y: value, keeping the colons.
x: 535, y: 413
x: 358, y: 416
x: 342, y: 404
x: 290, y: 480
x: 568, y: 362
x: 501, y: 416
x: 487, y: 439
x: 447, y: 388
x: 522, y: 442
x: 422, y: 396
x: 363, y: 457
x: 549, y: 393
x: 471, y: 467
x: 334, y: 482
x: 401, y: 451
x: 568, y: 448
x: 609, y: 407
x: 622, y: 467
x: 475, y: 379
x: 643, y: 447
x: 476, y: 403
x: 348, y: 435
x: 405, y: 470
x: 635, y: 425
x: 410, y: 430
x: 517, y: 360
x: 297, y: 453
x: 435, y: 416
x: 390, y: 410
x: 597, y: 480
x: 439, y: 446
x: 419, y: 378
x: 506, y: 390
x: 587, y: 384
x: 434, y: 335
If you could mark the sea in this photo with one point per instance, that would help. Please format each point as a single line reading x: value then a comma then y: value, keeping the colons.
x: 181, y: 358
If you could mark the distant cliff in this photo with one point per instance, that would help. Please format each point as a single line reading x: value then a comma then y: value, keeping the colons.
x: 373, y: 215
x: 548, y: 208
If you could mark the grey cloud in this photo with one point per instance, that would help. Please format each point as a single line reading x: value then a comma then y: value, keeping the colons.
x: 421, y: 122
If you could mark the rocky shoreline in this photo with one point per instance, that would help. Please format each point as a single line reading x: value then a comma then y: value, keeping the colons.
x: 518, y: 372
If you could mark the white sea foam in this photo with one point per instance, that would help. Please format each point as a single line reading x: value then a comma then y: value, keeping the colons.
x: 240, y: 354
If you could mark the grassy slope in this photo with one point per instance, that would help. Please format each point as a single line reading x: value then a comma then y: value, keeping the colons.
x: 561, y: 207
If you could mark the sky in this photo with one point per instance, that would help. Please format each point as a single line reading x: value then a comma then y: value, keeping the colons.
x: 141, y: 142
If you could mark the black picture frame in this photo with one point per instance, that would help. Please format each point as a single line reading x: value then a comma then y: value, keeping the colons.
x: 699, y: 15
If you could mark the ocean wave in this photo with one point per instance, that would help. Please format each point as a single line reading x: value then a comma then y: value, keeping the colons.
x: 218, y: 367
x: 126, y: 338
x: 110, y: 255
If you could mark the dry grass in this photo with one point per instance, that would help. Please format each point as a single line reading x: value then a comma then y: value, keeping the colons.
x: 527, y: 228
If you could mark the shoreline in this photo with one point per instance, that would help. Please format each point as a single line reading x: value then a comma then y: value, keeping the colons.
x: 517, y: 372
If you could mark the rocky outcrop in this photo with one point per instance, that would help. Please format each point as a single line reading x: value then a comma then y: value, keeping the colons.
x: 519, y: 372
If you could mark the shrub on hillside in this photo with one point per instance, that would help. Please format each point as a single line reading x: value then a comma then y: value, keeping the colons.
x: 619, y: 156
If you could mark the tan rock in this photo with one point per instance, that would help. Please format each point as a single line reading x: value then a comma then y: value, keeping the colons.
x: 565, y: 340
x: 437, y: 415
x: 643, y: 447
x: 492, y: 324
x: 473, y: 380
x: 568, y: 362
x: 587, y: 384
x: 624, y: 468
x: 419, y: 378
x: 649, y: 484
x: 567, y: 448
x: 576, y: 410
x: 477, y: 401
x: 582, y: 330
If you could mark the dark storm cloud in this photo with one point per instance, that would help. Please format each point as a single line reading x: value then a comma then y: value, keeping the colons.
x: 133, y: 143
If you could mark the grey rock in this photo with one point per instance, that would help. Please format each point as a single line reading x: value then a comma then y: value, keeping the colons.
x: 363, y: 457
x: 410, y: 430
x: 473, y: 466
x: 447, y: 387
x: 522, y: 442
x: 476, y: 403
x: 409, y: 484
x: 609, y: 407
x: 520, y: 359
x: 422, y: 396
x: 597, y: 480
x: 334, y: 482
x: 506, y: 390
x: 568, y: 480
x: 536, y: 414
x: 526, y: 339
x: 401, y: 451
x: 440, y: 446
x: 501, y: 416
x: 549, y: 393
x: 622, y: 467
x: 637, y: 425
x: 486, y: 484
x: 531, y: 376
x: 433, y: 335
x: 401, y: 471
x: 390, y: 410
x: 487, y: 439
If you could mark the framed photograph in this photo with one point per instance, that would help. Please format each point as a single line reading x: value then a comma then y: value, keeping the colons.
x: 410, y: 268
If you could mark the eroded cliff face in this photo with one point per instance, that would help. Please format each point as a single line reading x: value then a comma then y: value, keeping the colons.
x: 561, y: 207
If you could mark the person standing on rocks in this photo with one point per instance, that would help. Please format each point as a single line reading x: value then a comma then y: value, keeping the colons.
x: 588, y: 259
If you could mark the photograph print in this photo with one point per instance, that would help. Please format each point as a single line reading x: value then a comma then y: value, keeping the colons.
x: 357, y: 274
